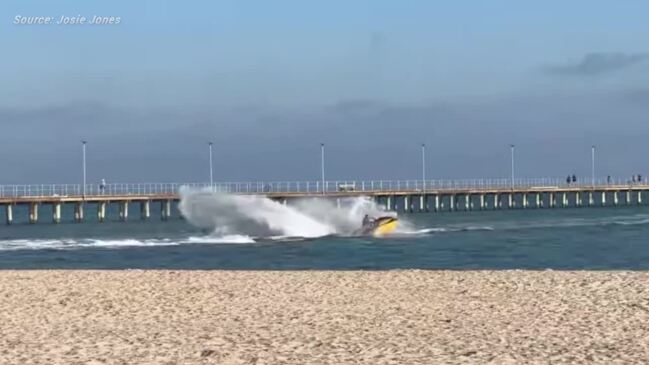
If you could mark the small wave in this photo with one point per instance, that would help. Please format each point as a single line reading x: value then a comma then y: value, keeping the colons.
x: 233, y: 238
x: 425, y: 231
x: 62, y: 244
x: 431, y: 230
x: 476, y: 228
x: 630, y: 223
x: 290, y: 238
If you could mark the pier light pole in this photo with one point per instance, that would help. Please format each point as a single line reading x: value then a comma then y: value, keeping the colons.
x: 83, y: 151
x: 592, y: 169
x: 322, y: 164
x: 211, y: 169
x: 511, y: 147
x: 423, y: 167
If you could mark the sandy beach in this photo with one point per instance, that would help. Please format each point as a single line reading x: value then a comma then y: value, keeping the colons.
x: 390, y: 317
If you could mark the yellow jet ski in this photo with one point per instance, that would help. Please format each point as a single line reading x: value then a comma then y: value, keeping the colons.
x: 380, y: 226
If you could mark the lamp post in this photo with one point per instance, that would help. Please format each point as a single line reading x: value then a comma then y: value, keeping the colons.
x: 511, y: 147
x: 322, y: 166
x: 211, y: 169
x: 83, y: 150
x: 423, y: 167
x: 592, y: 167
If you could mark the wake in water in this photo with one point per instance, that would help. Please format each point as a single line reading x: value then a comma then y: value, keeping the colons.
x: 253, y: 217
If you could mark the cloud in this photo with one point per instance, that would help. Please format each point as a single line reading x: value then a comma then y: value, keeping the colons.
x: 600, y: 63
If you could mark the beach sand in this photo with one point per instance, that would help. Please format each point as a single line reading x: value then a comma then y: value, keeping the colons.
x: 331, y: 317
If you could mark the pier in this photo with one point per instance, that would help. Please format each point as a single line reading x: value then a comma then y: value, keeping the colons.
x: 127, y: 200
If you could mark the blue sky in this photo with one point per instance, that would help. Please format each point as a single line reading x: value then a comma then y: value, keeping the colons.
x: 372, y: 78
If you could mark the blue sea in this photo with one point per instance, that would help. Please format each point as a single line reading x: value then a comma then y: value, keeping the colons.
x: 560, y: 238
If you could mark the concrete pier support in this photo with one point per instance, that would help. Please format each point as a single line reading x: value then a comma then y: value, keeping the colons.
x: 591, y: 199
x: 422, y: 203
x: 123, y: 211
x: 101, y: 211
x: 510, y: 201
x: 628, y: 197
x: 451, y: 205
x: 437, y: 203
x: 482, y: 202
x: 525, y: 201
x: 33, y: 213
x: 145, y: 210
x: 603, y: 198
x: 578, y: 199
x: 388, y: 203
x: 467, y: 202
x: 78, y: 212
x: 9, y: 213
x: 537, y: 202
x: 496, y: 202
x: 552, y: 200
x: 165, y: 209
x: 564, y: 200
x: 639, y: 197
x: 56, y: 212
x: 616, y: 198
x: 406, y: 203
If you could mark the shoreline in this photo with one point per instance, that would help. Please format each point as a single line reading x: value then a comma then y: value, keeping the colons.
x: 341, y: 317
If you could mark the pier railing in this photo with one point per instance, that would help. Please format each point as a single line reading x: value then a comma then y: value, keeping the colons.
x: 307, y: 187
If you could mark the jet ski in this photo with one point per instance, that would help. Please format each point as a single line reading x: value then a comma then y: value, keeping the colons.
x: 380, y: 226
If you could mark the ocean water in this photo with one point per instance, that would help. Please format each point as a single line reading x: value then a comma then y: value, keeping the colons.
x: 231, y: 233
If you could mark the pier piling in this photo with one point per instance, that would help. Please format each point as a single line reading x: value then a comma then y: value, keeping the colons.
x: 145, y: 210
x: 33, y: 213
x: 56, y: 212
x: 165, y: 209
x: 78, y: 212
x: 525, y: 201
x: 9, y: 214
x: 123, y: 211
x: 101, y: 211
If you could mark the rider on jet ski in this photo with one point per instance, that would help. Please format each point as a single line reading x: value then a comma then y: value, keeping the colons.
x: 367, y: 221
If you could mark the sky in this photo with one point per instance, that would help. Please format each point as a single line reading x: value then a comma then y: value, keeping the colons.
x: 267, y: 82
